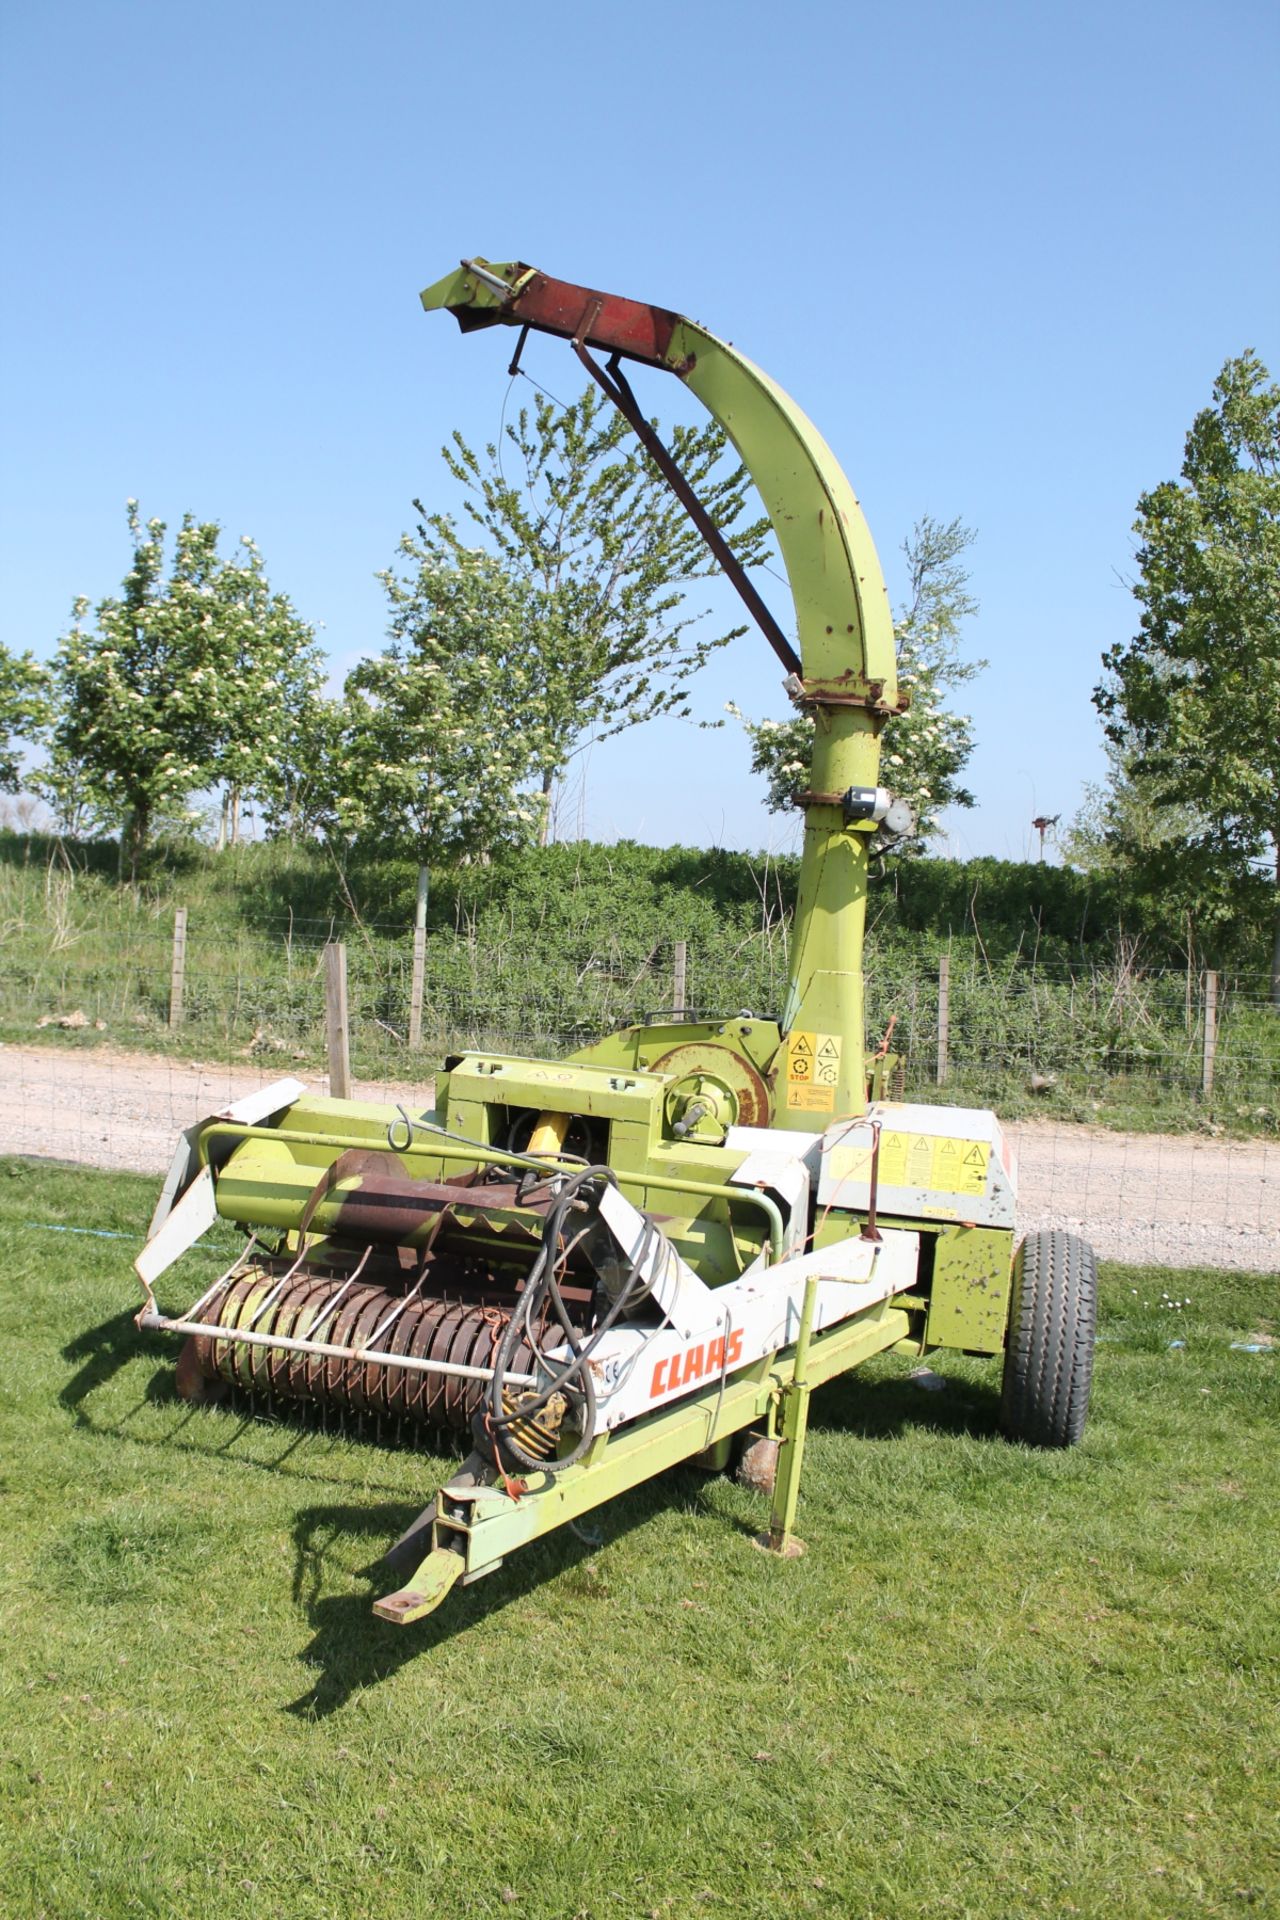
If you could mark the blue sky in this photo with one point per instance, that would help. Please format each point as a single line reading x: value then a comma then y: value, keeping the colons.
x: 997, y: 252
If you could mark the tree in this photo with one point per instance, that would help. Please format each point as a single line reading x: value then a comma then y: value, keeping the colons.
x: 444, y: 731
x: 268, y: 687
x: 1193, y: 699
x: 927, y: 748
x: 311, y: 771
x: 587, y: 529
x: 179, y: 682
x: 1123, y: 822
x: 24, y: 711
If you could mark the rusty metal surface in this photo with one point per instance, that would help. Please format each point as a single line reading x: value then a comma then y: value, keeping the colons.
x: 454, y: 1331
x: 758, y: 1467
x: 605, y: 320
x: 737, y: 1072
x: 390, y: 1207
x: 850, y: 689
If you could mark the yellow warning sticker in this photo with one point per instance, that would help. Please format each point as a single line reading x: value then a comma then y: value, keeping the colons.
x: 826, y: 1065
x: 944, y: 1166
x: 800, y: 1053
x: 919, y: 1160
x: 851, y: 1163
x: 973, y: 1169
x: 949, y: 1172
x: 810, y: 1099
x: 906, y: 1159
x: 813, y: 1059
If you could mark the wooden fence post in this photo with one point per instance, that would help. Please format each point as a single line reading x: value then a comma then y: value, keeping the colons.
x: 419, y: 959
x: 944, y: 1016
x: 1210, y: 1033
x: 178, y: 971
x: 337, y: 1033
x: 679, y: 974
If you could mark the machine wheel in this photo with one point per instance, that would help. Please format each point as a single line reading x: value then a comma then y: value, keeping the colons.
x: 1048, y: 1362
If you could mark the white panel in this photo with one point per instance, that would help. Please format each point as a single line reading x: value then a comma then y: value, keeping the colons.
x: 638, y: 1368
x: 935, y: 1163
x: 673, y: 1284
x: 182, y: 1170
x: 786, y: 1177
x: 194, y: 1214
x: 806, y: 1147
x: 254, y: 1108
x: 259, y: 1106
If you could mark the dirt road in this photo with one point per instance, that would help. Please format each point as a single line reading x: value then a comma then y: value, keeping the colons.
x: 1176, y: 1199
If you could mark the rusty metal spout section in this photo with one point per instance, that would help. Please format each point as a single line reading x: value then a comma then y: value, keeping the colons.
x: 521, y: 296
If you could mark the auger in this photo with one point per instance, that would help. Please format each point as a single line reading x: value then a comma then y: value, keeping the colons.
x: 654, y: 1250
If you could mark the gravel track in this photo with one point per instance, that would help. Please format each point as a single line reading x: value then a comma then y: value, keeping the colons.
x: 1174, y: 1199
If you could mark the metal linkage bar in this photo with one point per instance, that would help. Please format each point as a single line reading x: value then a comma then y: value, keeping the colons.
x: 220, y: 1285
x: 283, y: 1282
x: 324, y: 1313
x: 325, y: 1350
x: 224, y: 1280
x: 475, y: 1523
x: 399, y: 1307
x: 615, y: 384
x: 443, y: 1148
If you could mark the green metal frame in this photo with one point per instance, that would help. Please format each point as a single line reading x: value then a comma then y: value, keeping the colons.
x: 477, y: 1525
x: 268, y: 1175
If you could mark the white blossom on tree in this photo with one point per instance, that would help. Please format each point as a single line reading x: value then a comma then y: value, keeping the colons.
x: 582, y: 522
x: 923, y: 751
x: 1191, y: 704
x: 443, y: 736
x: 24, y: 711
x: 175, y: 685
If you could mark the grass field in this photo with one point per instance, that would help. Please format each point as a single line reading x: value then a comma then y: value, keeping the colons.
x: 998, y: 1684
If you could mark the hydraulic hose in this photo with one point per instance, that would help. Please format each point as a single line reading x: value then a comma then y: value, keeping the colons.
x: 542, y: 1288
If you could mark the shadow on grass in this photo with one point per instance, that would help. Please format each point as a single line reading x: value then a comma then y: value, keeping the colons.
x: 105, y: 1350
x: 884, y: 1409
x: 352, y: 1647
x: 212, y: 1432
x: 872, y: 1410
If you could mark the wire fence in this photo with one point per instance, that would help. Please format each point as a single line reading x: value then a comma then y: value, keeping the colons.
x: 1138, y: 1045
x: 1177, y: 1201
x: 113, y: 1039
x: 1075, y: 1041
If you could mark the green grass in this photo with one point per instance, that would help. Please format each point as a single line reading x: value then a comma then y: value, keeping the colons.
x: 999, y: 1683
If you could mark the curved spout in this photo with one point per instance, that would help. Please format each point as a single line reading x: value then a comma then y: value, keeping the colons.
x: 842, y: 612
x: 848, y: 675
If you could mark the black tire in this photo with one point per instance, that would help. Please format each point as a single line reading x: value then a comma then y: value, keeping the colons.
x: 1048, y: 1361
